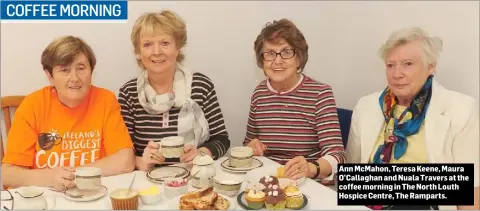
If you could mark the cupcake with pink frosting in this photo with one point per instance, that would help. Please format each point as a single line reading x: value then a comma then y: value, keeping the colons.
x: 269, y: 180
x: 275, y: 199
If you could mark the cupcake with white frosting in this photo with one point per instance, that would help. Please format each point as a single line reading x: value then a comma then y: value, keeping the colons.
x: 254, y: 186
x: 255, y: 198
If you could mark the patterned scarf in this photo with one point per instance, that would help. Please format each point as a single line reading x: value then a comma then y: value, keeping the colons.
x: 409, y: 122
x: 397, y: 130
x: 192, y: 125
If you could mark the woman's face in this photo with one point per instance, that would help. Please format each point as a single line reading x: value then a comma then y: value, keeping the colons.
x: 72, y: 82
x: 406, y: 72
x: 280, y: 62
x: 158, y: 53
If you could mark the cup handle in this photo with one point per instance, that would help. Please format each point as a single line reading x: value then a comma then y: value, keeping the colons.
x: 230, y: 159
x: 59, y: 138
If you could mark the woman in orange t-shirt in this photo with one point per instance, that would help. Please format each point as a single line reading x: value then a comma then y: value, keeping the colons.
x: 69, y: 124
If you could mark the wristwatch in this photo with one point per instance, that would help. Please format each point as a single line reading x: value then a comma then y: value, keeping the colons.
x: 318, y: 168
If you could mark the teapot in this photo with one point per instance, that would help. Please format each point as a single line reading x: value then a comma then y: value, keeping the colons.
x: 36, y: 203
x: 203, y: 171
x: 30, y: 198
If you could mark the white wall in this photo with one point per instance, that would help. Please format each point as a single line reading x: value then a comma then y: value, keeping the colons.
x: 343, y: 39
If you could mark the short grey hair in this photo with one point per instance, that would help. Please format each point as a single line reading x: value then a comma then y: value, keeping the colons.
x: 431, y: 46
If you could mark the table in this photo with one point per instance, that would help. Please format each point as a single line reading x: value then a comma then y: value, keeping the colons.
x: 320, y: 196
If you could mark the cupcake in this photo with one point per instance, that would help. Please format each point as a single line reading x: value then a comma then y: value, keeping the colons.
x: 122, y: 199
x: 285, y: 182
x: 267, y: 180
x: 255, y: 199
x: 270, y: 187
x: 294, y: 197
x: 275, y: 199
x: 254, y: 186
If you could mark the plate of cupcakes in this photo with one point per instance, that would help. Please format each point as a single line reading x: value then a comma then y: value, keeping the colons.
x: 272, y: 194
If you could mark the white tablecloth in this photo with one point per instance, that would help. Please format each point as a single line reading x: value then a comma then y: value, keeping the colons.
x: 320, y: 197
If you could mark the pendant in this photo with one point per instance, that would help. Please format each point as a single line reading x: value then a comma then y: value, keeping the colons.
x: 392, y: 138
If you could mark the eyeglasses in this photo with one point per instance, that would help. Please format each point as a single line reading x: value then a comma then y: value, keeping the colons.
x: 285, y: 54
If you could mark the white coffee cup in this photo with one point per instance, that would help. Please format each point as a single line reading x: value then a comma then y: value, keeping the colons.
x: 172, y: 147
x: 241, y: 157
x: 88, y: 178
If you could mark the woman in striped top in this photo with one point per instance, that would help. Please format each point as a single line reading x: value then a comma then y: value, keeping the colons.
x: 293, y: 118
x: 166, y: 99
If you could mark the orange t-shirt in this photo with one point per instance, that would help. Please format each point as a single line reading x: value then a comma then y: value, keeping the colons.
x: 45, y: 133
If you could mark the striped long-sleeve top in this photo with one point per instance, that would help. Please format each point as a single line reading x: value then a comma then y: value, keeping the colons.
x: 144, y: 127
x: 300, y: 122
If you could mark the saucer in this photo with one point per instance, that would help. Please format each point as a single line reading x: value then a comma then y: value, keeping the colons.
x: 256, y: 163
x: 87, y: 195
x: 158, y: 175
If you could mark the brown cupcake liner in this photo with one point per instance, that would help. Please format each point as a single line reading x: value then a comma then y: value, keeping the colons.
x: 125, y: 204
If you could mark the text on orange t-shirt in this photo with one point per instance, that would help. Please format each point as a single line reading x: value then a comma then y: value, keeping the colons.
x: 45, y: 133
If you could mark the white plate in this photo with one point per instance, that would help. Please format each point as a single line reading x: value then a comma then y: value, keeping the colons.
x: 87, y: 195
x: 255, y: 175
x: 160, y: 173
x: 174, y: 203
x: 256, y: 163
x: 26, y: 204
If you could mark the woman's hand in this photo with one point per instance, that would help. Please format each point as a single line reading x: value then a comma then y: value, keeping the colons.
x: 297, y: 168
x: 63, y: 178
x: 191, y: 152
x: 151, y: 156
x: 258, y: 147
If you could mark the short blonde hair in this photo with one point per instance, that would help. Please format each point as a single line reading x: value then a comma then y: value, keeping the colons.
x: 282, y: 29
x: 165, y: 21
x: 431, y: 46
x: 63, y: 50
